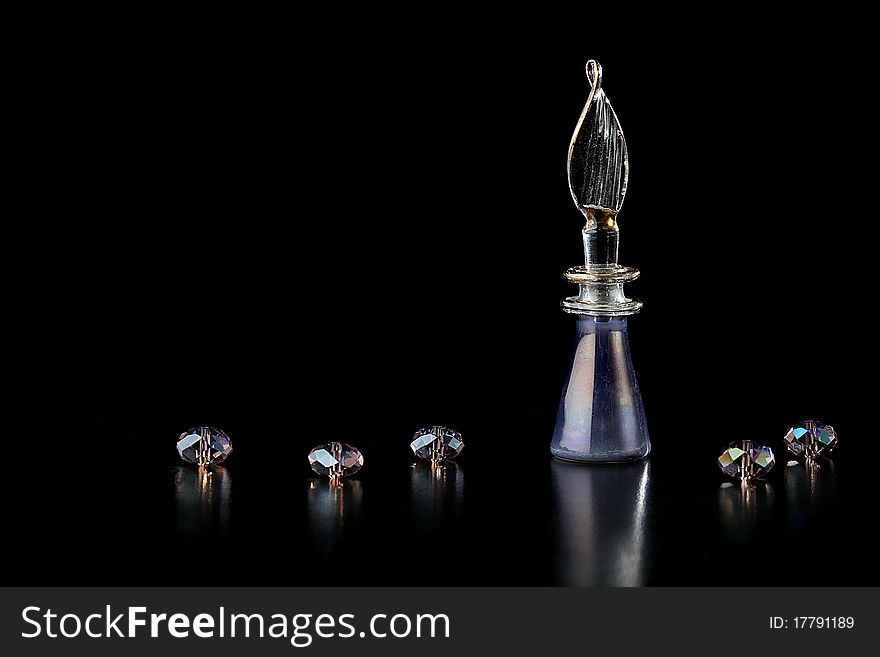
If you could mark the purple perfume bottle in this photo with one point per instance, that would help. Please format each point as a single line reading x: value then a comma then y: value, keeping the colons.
x: 601, y: 418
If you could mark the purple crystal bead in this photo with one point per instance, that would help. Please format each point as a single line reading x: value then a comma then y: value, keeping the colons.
x: 336, y: 460
x: 601, y: 418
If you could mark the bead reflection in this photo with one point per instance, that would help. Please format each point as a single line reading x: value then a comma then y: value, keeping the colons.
x: 809, y: 490
x: 601, y: 523
x: 333, y: 505
x: 743, y: 507
x: 437, y: 492
x: 202, y: 497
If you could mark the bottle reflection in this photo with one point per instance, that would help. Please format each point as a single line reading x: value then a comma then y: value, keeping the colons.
x: 202, y: 498
x: 437, y: 493
x: 743, y: 507
x: 601, y: 515
x: 333, y: 505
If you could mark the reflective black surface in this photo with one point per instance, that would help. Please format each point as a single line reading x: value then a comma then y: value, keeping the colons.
x: 671, y: 519
x: 211, y: 269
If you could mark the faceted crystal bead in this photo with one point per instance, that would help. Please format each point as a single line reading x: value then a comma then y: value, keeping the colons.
x: 336, y: 460
x: 204, y: 446
x: 437, y: 443
x: 746, y: 460
x: 729, y: 460
x: 811, y: 439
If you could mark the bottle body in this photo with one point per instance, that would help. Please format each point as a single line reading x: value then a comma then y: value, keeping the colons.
x: 601, y: 417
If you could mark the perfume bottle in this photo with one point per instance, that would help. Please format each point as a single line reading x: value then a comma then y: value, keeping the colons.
x: 601, y: 418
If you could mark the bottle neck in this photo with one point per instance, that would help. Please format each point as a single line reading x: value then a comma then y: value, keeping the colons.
x: 592, y: 324
x: 601, y: 279
x: 601, y: 236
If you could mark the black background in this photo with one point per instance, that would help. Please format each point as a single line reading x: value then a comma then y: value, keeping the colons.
x: 321, y: 234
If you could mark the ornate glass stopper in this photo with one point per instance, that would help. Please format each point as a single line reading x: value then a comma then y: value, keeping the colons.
x: 598, y: 171
x: 601, y: 417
